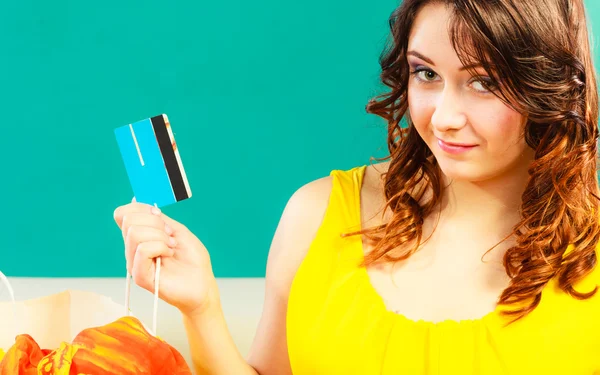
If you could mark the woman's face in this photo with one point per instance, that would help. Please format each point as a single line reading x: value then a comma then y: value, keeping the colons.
x: 473, y: 135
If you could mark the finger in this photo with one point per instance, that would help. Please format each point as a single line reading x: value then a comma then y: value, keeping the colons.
x: 130, y: 208
x: 138, y: 235
x: 123, y: 211
x: 143, y: 219
x: 144, y: 266
x: 173, y: 227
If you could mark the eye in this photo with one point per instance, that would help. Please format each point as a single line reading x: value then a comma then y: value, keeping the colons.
x: 424, y: 74
x: 483, y: 85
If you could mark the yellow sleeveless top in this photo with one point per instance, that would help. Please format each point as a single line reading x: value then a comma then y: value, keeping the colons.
x: 338, y: 324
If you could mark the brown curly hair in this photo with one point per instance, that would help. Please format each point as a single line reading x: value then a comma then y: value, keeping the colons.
x: 538, y: 51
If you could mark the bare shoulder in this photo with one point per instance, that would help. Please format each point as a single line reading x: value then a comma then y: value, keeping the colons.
x: 302, y: 217
x: 298, y: 226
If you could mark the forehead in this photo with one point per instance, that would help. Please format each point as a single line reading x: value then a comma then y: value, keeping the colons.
x: 430, y: 35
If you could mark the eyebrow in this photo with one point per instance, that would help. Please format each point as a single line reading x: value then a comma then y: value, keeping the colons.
x: 429, y: 61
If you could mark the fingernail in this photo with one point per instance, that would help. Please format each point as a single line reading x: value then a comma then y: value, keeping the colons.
x: 172, y: 241
x: 155, y: 210
x: 168, y: 229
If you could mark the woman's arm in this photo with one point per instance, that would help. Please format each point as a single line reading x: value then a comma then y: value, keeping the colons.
x: 188, y: 282
x: 211, y: 344
x: 296, y: 231
x: 212, y: 347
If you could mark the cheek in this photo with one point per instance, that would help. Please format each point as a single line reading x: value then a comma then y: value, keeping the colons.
x: 421, y: 109
x: 500, y: 126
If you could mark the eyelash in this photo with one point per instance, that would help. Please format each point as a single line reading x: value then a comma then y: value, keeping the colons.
x: 487, y: 83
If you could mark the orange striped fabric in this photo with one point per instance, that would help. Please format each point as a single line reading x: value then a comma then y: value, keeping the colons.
x: 122, y: 347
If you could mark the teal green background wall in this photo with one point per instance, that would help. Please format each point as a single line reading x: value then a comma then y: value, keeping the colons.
x: 263, y: 96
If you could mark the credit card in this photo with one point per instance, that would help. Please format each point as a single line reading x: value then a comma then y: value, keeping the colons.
x: 153, y: 162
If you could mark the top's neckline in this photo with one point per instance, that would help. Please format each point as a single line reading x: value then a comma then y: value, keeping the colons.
x: 492, y: 315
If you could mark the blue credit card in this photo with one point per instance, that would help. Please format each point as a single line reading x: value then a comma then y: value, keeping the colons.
x: 153, y: 162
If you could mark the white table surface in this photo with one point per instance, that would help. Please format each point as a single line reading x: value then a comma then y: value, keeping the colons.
x: 242, y: 300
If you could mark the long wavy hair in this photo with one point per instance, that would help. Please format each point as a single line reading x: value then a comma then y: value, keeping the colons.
x: 539, y: 54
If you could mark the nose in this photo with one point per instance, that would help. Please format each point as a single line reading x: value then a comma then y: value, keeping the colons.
x: 449, y: 112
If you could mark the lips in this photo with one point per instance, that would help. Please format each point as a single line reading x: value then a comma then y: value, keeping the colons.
x: 458, y: 144
x: 455, y: 148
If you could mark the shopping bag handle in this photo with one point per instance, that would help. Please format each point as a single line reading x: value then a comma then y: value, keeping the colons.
x: 11, y: 292
x: 156, y: 287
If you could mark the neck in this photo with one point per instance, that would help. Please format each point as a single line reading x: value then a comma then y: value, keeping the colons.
x: 492, y: 203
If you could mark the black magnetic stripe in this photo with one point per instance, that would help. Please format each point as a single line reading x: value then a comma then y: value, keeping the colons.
x: 166, y: 149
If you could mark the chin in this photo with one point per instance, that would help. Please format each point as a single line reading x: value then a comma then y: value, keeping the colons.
x: 464, y: 171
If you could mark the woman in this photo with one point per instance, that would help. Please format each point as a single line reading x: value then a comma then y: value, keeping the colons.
x: 471, y: 251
